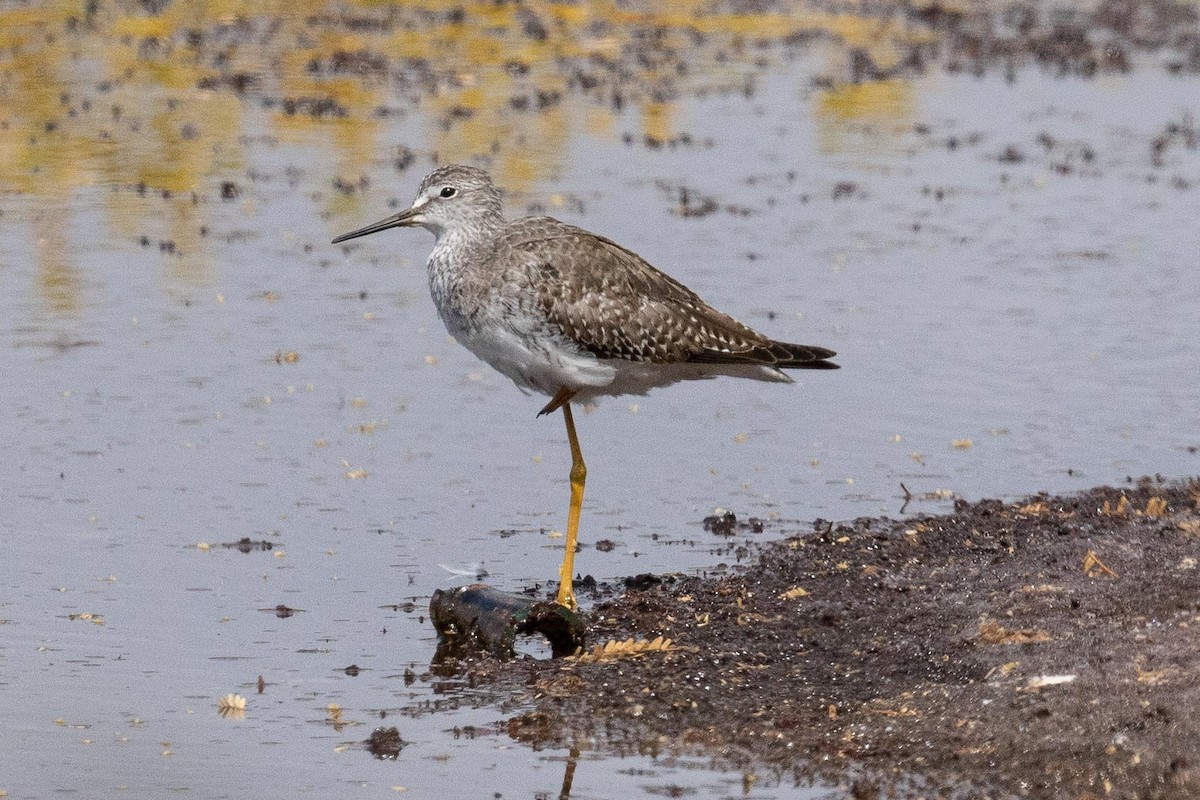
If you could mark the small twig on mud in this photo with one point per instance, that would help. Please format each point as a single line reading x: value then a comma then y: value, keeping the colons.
x: 1094, y: 567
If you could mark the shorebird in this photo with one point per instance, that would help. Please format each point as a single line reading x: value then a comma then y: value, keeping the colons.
x: 570, y: 314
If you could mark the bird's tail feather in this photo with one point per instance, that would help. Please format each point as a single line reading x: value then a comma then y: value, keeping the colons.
x: 803, y: 356
x: 780, y: 355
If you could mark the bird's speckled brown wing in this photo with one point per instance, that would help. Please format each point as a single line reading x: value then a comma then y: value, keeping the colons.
x: 614, y: 304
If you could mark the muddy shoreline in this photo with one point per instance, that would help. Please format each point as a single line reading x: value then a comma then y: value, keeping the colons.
x: 1046, y: 648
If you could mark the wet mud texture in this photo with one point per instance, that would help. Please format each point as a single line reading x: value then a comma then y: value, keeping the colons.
x: 1045, y: 649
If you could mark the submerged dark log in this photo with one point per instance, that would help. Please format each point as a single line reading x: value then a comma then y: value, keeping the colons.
x: 479, y: 618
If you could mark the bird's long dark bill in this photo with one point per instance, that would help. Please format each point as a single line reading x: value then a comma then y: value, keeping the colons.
x: 394, y: 221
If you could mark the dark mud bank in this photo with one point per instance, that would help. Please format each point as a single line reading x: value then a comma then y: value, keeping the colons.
x: 1048, y: 648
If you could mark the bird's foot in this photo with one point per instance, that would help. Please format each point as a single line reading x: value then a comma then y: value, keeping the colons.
x: 566, y: 596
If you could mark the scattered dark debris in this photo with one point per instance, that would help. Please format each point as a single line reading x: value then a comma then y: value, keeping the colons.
x: 1011, y: 154
x: 247, y: 545
x: 937, y: 193
x: 721, y: 523
x: 1060, y: 38
x: 1065, y: 41
x: 408, y: 606
x: 350, y: 188
x: 402, y: 158
x: 62, y: 343
x: 1068, y: 157
x: 692, y: 206
x: 1182, y: 132
x: 385, y: 743
x: 605, y: 545
x: 515, y: 68
x: 315, y: 107
x: 844, y: 189
x: 936, y: 15
x: 230, y: 190
x: 340, y: 62
x: 1144, y: 24
x: 656, y: 143
x: 970, y: 140
x: 352, y: 670
x: 726, y: 523
x: 531, y: 24
x: 282, y: 611
x: 642, y: 582
x: 1084, y: 255
x: 864, y: 69
x: 239, y: 82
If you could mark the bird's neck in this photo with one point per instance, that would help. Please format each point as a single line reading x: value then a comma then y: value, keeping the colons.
x: 455, y: 247
x: 458, y: 254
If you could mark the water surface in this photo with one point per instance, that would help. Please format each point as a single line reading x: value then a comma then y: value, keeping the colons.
x: 1006, y: 268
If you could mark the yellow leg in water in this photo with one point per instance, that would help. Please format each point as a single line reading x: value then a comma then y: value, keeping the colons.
x: 566, y: 594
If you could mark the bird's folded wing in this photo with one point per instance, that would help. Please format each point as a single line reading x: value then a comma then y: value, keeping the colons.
x: 614, y: 304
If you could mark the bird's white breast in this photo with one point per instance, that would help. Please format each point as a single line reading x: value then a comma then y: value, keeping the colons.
x: 513, y: 337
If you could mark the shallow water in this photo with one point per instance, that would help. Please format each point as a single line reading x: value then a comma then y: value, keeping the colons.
x: 1004, y: 327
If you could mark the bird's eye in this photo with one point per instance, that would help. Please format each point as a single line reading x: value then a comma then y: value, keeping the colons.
x: 449, y: 191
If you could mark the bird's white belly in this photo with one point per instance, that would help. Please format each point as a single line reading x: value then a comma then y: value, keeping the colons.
x: 545, y: 365
x: 541, y: 362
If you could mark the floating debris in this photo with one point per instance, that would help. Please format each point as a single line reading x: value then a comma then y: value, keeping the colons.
x: 1041, y: 681
x: 245, y: 545
x: 231, y: 706
x: 721, y: 522
x: 282, y: 611
x: 385, y: 743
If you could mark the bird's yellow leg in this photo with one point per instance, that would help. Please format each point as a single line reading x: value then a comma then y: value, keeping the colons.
x: 566, y: 594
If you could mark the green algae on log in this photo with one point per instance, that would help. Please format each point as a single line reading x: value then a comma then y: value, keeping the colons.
x: 479, y: 618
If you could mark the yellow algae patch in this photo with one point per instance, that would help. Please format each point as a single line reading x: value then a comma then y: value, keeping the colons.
x: 889, y: 99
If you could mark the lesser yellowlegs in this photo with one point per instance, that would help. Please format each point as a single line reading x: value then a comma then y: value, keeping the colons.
x: 572, y: 315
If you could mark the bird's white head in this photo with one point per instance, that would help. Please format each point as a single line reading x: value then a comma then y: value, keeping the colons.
x: 453, y: 198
